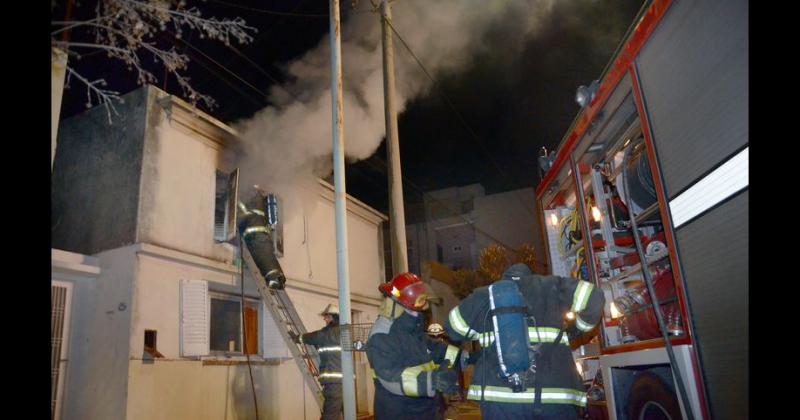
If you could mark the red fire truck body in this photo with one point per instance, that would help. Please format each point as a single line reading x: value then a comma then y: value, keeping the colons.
x: 661, y: 148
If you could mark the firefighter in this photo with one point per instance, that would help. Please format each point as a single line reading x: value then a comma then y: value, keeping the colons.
x: 550, y: 386
x: 328, y: 344
x: 409, y: 367
x: 254, y: 228
x: 436, y: 332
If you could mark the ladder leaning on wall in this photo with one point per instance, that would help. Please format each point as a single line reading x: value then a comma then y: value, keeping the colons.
x: 285, y: 316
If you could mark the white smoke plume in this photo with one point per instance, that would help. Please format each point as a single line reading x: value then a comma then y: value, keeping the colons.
x: 285, y: 147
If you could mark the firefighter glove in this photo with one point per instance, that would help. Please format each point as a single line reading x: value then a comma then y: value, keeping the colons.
x: 444, y: 380
x: 294, y: 336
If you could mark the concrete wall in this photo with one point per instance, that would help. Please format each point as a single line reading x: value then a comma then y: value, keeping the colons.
x: 95, y: 180
x: 97, y: 383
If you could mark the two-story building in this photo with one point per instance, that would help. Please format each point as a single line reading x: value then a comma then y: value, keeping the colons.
x: 158, y: 331
x: 454, y: 224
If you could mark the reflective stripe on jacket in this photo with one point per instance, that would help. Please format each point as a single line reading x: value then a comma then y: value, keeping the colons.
x: 327, y: 342
x: 548, y: 299
x: 404, y: 360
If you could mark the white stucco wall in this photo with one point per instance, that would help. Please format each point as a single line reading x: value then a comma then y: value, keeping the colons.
x: 175, y: 387
x: 315, y: 260
x: 97, y: 379
x: 140, y: 285
x: 177, y: 192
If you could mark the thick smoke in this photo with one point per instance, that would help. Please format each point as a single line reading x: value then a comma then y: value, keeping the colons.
x: 287, y: 146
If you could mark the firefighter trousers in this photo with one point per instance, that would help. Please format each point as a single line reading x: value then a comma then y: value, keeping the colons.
x: 333, y: 405
x: 520, y: 411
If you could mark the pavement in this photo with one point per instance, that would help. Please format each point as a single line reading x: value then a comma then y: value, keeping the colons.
x: 462, y: 410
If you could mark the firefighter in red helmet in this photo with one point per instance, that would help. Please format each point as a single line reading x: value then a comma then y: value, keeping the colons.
x: 409, y: 367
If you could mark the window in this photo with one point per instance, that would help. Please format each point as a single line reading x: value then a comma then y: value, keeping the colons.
x: 150, y: 349
x: 226, y: 333
x: 457, y: 248
x: 226, y: 197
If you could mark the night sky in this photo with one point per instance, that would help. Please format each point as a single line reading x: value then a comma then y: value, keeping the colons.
x: 507, y: 106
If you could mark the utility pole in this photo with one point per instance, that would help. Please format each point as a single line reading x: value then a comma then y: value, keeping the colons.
x: 397, y: 218
x: 340, y: 195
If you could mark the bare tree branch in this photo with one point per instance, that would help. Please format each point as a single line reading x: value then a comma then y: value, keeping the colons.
x: 122, y: 29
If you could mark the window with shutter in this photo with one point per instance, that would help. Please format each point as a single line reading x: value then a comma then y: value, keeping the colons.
x: 226, y: 197
x: 194, y: 318
x: 230, y: 327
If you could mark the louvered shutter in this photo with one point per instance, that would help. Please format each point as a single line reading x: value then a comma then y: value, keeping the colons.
x: 194, y: 318
x: 274, y: 344
x: 230, y: 207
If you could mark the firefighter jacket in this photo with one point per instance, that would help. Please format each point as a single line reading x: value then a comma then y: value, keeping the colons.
x: 403, y: 360
x: 258, y: 239
x: 328, y: 344
x: 548, y: 299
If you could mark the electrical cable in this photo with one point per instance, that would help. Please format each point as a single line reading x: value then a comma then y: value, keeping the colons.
x: 244, y: 337
x: 447, y: 100
x: 419, y: 189
x: 270, y: 12
x: 277, y: 13
x: 183, y: 41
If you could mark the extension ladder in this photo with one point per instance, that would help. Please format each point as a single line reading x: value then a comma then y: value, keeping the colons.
x: 285, y: 316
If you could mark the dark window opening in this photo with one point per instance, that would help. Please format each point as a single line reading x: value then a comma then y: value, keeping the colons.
x: 150, y: 348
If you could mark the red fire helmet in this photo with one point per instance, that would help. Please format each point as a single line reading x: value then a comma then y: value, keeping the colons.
x: 408, y: 290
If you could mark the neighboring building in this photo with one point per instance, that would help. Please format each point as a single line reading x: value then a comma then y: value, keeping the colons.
x: 459, y: 222
x: 142, y: 197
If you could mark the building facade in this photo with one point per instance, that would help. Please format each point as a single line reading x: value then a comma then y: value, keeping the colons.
x: 141, y: 197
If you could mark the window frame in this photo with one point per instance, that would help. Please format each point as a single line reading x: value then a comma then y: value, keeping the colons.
x: 254, y: 302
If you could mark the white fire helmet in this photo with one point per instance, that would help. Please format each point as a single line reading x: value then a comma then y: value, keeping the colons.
x: 331, y: 309
x: 435, y: 330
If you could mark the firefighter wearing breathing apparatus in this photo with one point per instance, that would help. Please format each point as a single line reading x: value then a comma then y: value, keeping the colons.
x: 328, y: 344
x: 526, y: 370
x: 256, y: 220
x: 409, y: 367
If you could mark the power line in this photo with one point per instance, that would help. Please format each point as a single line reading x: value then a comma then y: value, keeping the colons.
x: 444, y: 204
x: 278, y: 13
x: 270, y: 12
x: 174, y: 36
x: 455, y: 110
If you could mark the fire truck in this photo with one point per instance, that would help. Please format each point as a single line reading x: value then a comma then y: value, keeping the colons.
x: 646, y: 196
